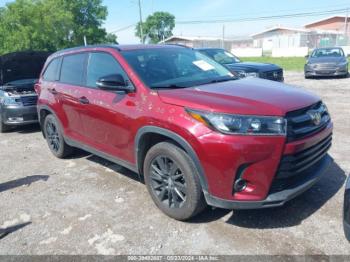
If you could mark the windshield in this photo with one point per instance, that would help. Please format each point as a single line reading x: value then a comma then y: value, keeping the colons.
x: 221, y: 56
x: 175, y: 67
x: 328, y: 52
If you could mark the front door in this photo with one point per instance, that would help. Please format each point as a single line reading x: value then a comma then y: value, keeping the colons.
x: 106, y: 119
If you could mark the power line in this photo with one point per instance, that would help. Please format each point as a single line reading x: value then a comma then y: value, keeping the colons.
x: 123, y: 28
x: 247, y: 19
x: 318, y: 7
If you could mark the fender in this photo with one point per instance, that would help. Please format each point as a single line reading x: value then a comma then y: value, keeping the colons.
x: 177, y: 138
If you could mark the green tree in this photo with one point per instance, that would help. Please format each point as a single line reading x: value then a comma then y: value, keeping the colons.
x: 51, y: 24
x: 111, y: 39
x: 88, y: 17
x: 157, y: 27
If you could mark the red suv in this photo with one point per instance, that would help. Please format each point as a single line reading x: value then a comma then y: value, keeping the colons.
x: 196, y: 133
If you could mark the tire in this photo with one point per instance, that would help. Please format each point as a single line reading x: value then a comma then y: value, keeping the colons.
x: 54, y: 138
x: 3, y: 127
x: 173, y: 181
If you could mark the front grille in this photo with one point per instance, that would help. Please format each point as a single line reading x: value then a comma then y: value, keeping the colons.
x: 29, y: 100
x: 326, y: 66
x: 301, y: 123
x: 298, y: 166
x: 276, y: 75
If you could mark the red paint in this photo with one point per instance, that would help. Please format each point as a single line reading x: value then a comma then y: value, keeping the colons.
x: 111, y: 121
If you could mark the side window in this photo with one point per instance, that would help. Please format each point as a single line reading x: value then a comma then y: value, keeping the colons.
x: 72, y: 71
x: 52, y: 70
x: 100, y: 65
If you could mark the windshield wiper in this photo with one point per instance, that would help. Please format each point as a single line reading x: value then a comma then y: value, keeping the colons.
x: 172, y: 86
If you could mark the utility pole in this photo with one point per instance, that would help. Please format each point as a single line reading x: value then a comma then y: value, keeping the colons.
x: 85, y: 41
x: 141, y: 23
x: 223, y: 36
x: 346, y: 27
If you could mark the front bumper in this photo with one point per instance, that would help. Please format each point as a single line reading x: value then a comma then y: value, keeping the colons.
x: 278, y: 198
x: 19, y: 115
x: 326, y: 72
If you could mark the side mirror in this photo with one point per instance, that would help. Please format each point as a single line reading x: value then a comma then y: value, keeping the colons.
x: 348, y: 55
x: 114, y: 82
x: 307, y: 56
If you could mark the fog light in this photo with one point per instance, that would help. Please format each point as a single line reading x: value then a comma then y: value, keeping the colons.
x: 240, y: 185
x: 15, y: 119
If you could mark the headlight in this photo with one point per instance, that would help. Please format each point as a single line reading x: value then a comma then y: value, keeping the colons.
x: 241, y: 124
x: 311, y: 65
x: 243, y: 74
x: 12, y: 101
x: 342, y: 64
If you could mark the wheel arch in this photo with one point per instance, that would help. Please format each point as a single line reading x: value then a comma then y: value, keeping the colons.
x: 43, y: 111
x: 143, y: 143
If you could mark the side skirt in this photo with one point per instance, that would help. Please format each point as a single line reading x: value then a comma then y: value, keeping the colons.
x: 96, y: 152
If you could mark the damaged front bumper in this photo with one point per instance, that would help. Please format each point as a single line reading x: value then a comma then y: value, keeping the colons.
x: 19, y: 115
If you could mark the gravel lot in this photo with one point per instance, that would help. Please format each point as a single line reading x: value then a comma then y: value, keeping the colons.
x: 86, y: 205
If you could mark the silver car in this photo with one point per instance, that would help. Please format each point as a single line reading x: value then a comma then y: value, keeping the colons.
x: 19, y: 72
x: 326, y: 62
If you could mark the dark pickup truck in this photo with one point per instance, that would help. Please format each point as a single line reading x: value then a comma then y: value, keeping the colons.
x: 19, y: 72
x: 244, y: 69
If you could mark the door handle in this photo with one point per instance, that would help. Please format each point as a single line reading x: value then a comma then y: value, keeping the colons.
x: 52, y: 91
x: 83, y: 100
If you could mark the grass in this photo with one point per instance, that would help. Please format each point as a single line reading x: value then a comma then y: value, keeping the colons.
x: 287, y: 63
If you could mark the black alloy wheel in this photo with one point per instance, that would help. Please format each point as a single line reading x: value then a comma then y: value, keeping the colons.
x: 168, y: 182
x: 53, y: 137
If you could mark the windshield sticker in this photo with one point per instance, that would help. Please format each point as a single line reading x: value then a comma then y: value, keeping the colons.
x: 205, y: 66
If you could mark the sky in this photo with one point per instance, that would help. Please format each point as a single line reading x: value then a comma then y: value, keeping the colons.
x: 125, y: 13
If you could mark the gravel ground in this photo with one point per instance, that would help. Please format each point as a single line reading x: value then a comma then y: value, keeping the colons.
x: 86, y: 205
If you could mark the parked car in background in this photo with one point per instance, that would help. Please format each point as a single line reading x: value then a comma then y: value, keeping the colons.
x: 244, y: 69
x: 18, y: 73
x: 347, y: 210
x: 197, y: 134
x: 326, y: 62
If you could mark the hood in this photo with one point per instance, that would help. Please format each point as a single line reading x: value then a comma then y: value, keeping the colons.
x: 21, y: 65
x: 251, y: 96
x: 253, y: 67
x: 335, y: 60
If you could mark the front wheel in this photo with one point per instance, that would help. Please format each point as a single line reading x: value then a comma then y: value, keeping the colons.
x: 54, y: 138
x: 173, y: 181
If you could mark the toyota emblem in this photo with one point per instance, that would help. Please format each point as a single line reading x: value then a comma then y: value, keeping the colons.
x: 315, y: 116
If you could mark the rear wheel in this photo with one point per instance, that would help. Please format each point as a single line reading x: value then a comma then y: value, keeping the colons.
x: 172, y: 180
x: 55, y: 139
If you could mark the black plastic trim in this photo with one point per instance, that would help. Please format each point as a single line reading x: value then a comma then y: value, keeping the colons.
x: 180, y: 140
x: 109, y: 157
x: 274, y: 199
x: 346, y: 211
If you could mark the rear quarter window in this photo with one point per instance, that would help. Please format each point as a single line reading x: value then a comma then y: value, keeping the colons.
x: 52, y: 70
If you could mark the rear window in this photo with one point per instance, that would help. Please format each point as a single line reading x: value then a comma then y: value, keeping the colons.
x: 72, y: 71
x: 51, y: 72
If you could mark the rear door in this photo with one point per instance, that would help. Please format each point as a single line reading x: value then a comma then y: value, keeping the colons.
x: 71, y: 91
